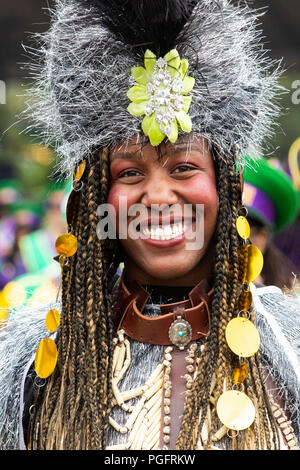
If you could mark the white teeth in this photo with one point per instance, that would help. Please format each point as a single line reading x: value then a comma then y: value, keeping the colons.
x: 164, y: 232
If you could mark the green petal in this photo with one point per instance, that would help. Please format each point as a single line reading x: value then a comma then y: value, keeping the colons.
x: 186, y: 103
x: 137, y: 93
x: 188, y: 84
x: 173, y: 136
x: 137, y: 109
x: 151, y: 129
x: 174, y: 61
x: 149, y: 61
x: 184, y: 121
x: 140, y: 75
x: 184, y: 67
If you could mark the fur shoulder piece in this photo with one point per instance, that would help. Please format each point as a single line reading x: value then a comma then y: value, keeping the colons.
x: 19, y: 339
x: 278, y: 321
x: 82, y: 66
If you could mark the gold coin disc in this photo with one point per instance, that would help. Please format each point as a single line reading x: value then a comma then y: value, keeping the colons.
x: 242, y: 337
x: 52, y: 320
x: 66, y: 244
x: 251, y: 263
x: 235, y: 410
x: 255, y: 263
x: 45, y: 358
x: 243, y: 227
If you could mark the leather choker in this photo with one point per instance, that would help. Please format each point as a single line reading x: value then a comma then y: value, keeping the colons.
x: 178, y: 324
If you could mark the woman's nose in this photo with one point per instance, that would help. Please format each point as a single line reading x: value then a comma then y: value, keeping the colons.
x: 159, y: 190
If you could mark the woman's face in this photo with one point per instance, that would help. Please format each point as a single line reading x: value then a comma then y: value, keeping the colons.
x: 170, y: 203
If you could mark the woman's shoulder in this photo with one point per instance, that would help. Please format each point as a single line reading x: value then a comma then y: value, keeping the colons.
x: 278, y: 320
x: 20, y: 335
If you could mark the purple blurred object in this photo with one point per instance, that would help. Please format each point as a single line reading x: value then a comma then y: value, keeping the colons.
x: 258, y: 202
x: 7, y: 235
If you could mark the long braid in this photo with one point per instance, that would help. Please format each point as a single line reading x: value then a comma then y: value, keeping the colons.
x: 199, y: 398
x: 76, y: 401
x: 217, y: 358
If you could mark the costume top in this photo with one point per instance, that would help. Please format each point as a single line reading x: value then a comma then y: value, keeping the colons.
x: 277, y: 319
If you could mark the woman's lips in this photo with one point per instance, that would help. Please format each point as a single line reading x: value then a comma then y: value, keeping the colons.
x: 166, y: 236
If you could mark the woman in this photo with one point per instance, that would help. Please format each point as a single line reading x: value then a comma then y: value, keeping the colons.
x: 143, y: 359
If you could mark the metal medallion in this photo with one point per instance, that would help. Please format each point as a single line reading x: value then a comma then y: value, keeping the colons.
x: 180, y: 332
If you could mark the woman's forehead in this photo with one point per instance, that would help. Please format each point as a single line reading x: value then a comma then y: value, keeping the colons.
x: 134, y: 149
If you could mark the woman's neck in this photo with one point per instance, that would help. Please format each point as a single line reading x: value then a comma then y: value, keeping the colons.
x: 167, y: 294
x: 203, y: 270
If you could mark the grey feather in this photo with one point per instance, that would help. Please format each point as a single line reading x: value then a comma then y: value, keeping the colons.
x: 81, y: 73
x: 278, y: 321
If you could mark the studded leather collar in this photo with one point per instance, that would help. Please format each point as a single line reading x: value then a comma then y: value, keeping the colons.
x: 178, y: 324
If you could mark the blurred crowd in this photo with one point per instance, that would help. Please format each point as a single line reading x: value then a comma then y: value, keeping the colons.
x: 28, y: 230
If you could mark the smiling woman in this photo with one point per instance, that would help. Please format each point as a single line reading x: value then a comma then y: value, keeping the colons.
x: 177, y: 181
x: 164, y: 341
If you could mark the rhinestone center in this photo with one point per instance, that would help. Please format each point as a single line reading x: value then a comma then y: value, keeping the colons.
x: 165, y: 96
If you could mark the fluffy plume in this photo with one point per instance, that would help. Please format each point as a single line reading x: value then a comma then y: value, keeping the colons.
x: 82, y: 74
x: 152, y: 24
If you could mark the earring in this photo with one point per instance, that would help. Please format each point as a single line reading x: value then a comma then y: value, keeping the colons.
x: 234, y: 408
x: 46, y: 353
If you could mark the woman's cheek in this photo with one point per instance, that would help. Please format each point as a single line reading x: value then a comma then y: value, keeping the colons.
x: 202, y: 191
x: 120, y: 201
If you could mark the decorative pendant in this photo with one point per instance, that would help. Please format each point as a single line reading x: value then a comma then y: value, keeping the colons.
x: 240, y: 373
x: 180, y: 332
x: 243, y: 227
x: 45, y: 358
x: 52, y: 320
x: 251, y: 263
x: 66, y: 244
x: 242, y: 337
x: 79, y: 171
x: 235, y: 410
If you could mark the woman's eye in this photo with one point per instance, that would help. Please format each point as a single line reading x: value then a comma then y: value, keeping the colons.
x: 184, y: 168
x: 129, y: 173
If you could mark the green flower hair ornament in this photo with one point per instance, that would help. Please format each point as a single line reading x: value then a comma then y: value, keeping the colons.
x: 161, y: 93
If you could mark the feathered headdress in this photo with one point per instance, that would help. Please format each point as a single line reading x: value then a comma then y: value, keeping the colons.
x: 97, y: 81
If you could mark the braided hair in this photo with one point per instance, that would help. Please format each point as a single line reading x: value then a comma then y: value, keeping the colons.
x: 217, y: 362
x: 77, y: 400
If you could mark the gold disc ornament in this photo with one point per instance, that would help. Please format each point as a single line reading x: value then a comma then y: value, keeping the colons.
x: 242, y: 337
x: 52, y: 320
x: 243, y: 227
x: 253, y: 265
x: 235, y: 410
x: 66, y: 244
x: 45, y: 358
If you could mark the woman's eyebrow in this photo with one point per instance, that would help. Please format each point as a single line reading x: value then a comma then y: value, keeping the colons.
x: 180, y: 148
x: 125, y: 155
